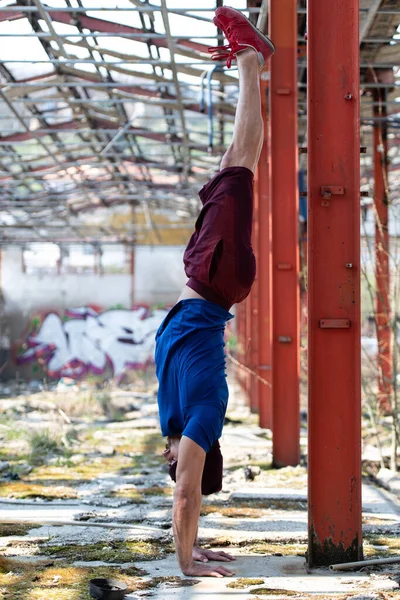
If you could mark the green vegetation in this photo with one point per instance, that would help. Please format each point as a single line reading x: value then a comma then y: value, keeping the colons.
x: 113, y: 552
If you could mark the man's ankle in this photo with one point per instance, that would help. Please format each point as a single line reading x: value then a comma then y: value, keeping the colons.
x: 248, y: 56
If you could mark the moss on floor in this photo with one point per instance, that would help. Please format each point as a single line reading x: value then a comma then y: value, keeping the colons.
x: 33, y: 582
x: 11, y: 529
x: 281, y: 548
x: 270, y: 504
x: 91, y: 468
x: 276, y: 548
x: 157, y: 491
x: 26, y: 581
x: 372, y: 520
x: 250, y: 508
x: 273, y: 592
x: 25, y: 489
x: 113, y: 552
x: 243, y: 583
x: 382, y: 546
x: 131, y: 494
x: 293, y: 477
x: 233, y: 512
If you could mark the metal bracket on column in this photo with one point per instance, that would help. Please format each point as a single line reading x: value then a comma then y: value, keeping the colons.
x: 327, y: 191
x: 284, y: 339
x: 328, y: 196
x: 304, y: 150
x: 334, y: 323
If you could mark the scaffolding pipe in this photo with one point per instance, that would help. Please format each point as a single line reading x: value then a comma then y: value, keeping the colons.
x: 150, y: 9
x: 360, y: 564
x: 140, y: 9
x: 179, y: 97
x: 151, y: 37
x: 154, y: 62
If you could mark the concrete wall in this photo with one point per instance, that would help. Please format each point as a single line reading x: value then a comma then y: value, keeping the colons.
x: 159, y: 277
x: 159, y: 274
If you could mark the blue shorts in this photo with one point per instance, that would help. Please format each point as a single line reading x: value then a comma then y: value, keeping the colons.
x: 190, y: 367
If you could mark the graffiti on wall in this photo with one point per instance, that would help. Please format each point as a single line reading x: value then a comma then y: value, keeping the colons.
x: 87, y: 341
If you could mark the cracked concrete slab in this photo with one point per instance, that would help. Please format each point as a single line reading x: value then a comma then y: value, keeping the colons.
x: 116, y: 474
x: 285, y: 574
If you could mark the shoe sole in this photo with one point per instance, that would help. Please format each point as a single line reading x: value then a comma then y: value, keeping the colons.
x: 264, y: 38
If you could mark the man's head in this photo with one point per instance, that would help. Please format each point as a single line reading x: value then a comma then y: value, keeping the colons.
x: 213, y: 466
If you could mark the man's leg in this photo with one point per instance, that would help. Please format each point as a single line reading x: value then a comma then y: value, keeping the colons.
x: 248, y: 135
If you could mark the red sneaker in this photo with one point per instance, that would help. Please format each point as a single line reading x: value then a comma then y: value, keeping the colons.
x: 240, y: 33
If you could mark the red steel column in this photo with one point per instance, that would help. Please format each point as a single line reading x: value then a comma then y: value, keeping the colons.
x: 264, y: 268
x: 247, y: 348
x: 254, y: 298
x: 240, y: 336
x: 382, y: 308
x: 285, y: 231
x: 334, y: 416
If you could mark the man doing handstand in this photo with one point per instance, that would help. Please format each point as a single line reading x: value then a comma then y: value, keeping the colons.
x: 220, y: 265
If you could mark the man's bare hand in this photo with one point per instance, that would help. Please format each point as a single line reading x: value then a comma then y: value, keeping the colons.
x: 205, y: 555
x: 198, y: 570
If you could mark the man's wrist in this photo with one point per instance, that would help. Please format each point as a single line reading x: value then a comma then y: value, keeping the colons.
x: 186, y: 566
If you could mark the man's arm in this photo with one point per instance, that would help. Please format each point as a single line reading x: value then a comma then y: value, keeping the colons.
x: 187, y: 504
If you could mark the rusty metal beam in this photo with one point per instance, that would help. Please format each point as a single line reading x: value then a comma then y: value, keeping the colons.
x: 285, y: 254
x: 265, y: 270
x: 382, y: 253
x: 334, y: 415
x: 254, y: 306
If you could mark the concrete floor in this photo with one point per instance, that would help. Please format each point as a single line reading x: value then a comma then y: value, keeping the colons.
x: 263, y: 521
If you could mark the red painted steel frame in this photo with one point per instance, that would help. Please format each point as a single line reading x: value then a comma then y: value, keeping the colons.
x: 254, y: 298
x: 241, y: 341
x: 247, y: 348
x: 382, y: 308
x: 334, y: 417
x: 285, y: 231
x: 264, y: 268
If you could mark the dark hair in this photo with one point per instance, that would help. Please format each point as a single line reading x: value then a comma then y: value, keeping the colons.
x: 211, y: 482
